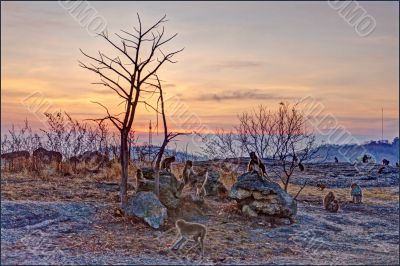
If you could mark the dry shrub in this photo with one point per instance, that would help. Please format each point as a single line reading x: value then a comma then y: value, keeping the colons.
x: 113, y: 171
x: 228, y: 178
x: 231, y: 207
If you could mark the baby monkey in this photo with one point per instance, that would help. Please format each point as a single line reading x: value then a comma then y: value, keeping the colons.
x: 166, y: 163
x: 189, y: 231
x: 330, y: 202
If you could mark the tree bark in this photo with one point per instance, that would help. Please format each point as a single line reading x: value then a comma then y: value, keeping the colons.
x: 124, y: 168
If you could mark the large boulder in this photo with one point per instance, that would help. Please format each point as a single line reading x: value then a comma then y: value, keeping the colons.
x: 263, y: 197
x: 214, y: 186
x: 146, y: 206
x: 170, y: 188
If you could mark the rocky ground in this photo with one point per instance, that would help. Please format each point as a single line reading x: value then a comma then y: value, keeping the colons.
x: 73, y: 220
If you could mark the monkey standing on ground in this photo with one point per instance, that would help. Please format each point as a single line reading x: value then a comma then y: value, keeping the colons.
x: 255, y: 165
x: 139, y: 177
x: 186, y: 230
x: 356, y: 193
x: 188, y: 173
x: 301, y: 167
x: 380, y: 170
x: 296, y: 160
x: 166, y: 163
x: 330, y: 203
x: 385, y: 162
x: 200, y: 189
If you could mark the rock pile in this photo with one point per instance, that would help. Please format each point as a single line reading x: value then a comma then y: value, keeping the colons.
x: 261, y: 197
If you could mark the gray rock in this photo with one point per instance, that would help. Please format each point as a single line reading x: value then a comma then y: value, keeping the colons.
x: 214, y: 186
x: 146, y: 206
x: 263, y: 196
x: 170, y: 188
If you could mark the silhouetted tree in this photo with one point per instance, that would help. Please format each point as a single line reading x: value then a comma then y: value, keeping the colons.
x: 128, y: 74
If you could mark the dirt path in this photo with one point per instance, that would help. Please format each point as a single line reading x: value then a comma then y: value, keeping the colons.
x: 87, y: 233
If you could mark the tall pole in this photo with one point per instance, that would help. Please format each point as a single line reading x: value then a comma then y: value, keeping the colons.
x: 150, y: 140
x: 382, y: 124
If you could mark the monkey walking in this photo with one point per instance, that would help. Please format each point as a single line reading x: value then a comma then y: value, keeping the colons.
x: 166, y: 163
x: 330, y: 203
x: 189, y: 231
x: 356, y: 193
x: 255, y: 165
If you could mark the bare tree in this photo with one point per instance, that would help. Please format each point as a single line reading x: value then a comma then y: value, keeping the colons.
x: 255, y: 131
x: 168, y: 136
x: 128, y: 74
x: 292, y: 145
x: 221, y: 144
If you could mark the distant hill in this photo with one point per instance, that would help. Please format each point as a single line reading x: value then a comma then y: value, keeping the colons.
x: 349, y: 153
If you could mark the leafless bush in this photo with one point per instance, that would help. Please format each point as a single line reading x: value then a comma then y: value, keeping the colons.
x: 22, y: 139
x: 255, y: 131
x: 292, y: 145
x: 279, y: 135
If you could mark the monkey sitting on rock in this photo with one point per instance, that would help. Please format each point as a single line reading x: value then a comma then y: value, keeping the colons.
x: 255, y: 165
x: 166, y: 163
x: 330, y: 202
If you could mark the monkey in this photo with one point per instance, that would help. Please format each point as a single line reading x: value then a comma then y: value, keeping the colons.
x: 328, y: 199
x: 295, y: 159
x: 336, y: 160
x: 385, y: 162
x: 334, y: 206
x: 255, y: 165
x: 188, y: 230
x: 397, y: 164
x: 321, y: 186
x: 365, y: 158
x: 166, y: 163
x: 201, y: 192
x: 380, y: 170
x: 356, y: 193
x: 139, y: 175
x: 301, y: 167
x: 188, y: 173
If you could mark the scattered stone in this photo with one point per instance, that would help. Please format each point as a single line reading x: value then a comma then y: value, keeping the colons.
x: 146, y: 205
x: 246, y: 210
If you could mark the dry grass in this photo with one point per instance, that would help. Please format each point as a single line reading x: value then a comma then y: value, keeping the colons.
x: 343, y: 194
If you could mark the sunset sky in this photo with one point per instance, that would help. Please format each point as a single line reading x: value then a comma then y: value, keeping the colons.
x: 237, y: 55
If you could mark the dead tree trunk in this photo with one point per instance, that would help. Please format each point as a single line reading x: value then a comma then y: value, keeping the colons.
x: 129, y: 76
